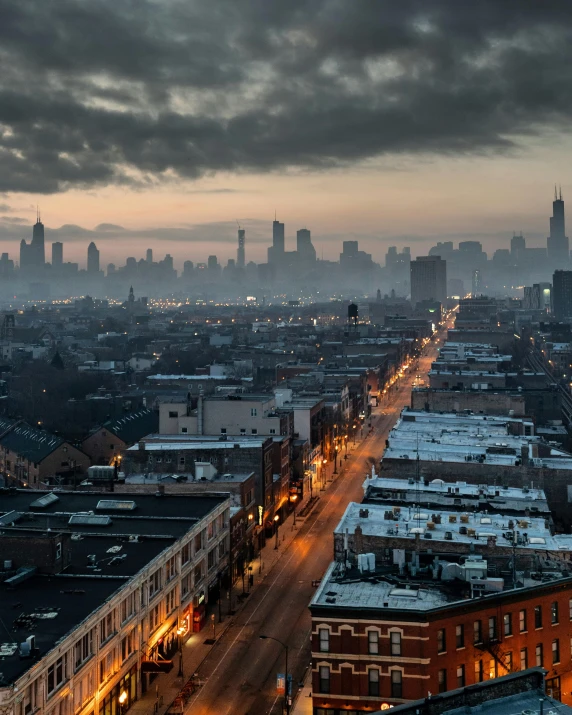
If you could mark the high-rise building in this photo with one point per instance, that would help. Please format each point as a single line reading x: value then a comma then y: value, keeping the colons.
x: 562, y: 294
x: 241, y: 250
x: 517, y: 246
x: 276, y: 250
x: 557, y: 243
x: 92, y: 258
x: 304, y: 248
x: 33, y: 254
x: 149, y: 257
x: 428, y: 279
x: 57, y: 254
x: 212, y: 263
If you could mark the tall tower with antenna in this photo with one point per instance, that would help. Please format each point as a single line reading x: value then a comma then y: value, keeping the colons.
x: 241, y: 250
x: 557, y: 244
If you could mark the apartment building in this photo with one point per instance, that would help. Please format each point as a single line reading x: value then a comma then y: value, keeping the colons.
x: 383, y: 635
x: 99, y: 592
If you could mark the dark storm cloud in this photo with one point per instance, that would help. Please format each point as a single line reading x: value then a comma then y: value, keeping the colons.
x: 137, y: 91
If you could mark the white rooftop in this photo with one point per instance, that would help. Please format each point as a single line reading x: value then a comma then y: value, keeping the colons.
x: 440, y: 492
x: 454, y: 527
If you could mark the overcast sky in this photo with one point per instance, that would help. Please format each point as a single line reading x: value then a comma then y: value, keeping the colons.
x: 162, y: 122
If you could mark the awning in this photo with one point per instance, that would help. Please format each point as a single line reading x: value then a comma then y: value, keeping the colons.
x: 156, y: 666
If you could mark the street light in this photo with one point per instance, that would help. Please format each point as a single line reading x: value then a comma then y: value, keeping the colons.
x: 276, y: 520
x: 336, y: 459
x: 122, y: 700
x: 286, y: 693
x: 293, y: 499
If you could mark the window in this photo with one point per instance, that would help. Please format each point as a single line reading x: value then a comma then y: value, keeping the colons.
x: 154, y: 614
x: 186, y: 554
x: 507, y: 624
x: 171, y: 601
x: 441, y: 641
x: 373, y: 682
x: 127, y: 608
x: 243, y: 430
x: 253, y: 412
x: 395, y: 643
x: 460, y: 676
x: 211, y: 559
x: 186, y: 585
x: 396, y: 684
x: 170, y: 569
x: 493, y: 628
x: 199, y: 541
x: 523, y: 658
x: 554, y: 612
x: 324, y: 635
x: 538, y: 654
x: 442, y: 680
x: 555, y: 651
x: 199, y: 572
x: 59, y: 550
x: 107, y: 627
x: 127, y: 645
x: 570, y: 608
x: 83, y: 649
x: 211, y: 530
x: 56, y: 674
x: 508, y: 662
x: 492, y: 668
x: 477, y: 632
x: 553, y: 688
x: 254, y: 430
x: 106, y: 667
x: 184, y: 430
x: 272, y: 430
x: 460, y: 636
x: 223, y: 430
x: 324, y: 679
x: 522, y: 621
x: 373, y: 642
x: 182, y: 460
x: 154, y: 583
x: 173, y: 414
x: 479, y: 677
x: 538, y: 616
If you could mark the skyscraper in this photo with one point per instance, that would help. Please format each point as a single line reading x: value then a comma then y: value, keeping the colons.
x: 304, y: 248
x: 149, y: 257
x: 517, y: 247
x: 562, y: 294
x: 241, y: 250
x: 276, y: 250
x: 428, y: 279
x: 92, y: 258
x: 557, y: 244
x: 33, y: 255
x: 57, y: 254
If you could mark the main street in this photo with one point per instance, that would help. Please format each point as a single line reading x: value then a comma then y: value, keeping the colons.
x: 240, y: 674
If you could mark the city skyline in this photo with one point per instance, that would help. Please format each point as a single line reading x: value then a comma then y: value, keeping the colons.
x: 461, y: 118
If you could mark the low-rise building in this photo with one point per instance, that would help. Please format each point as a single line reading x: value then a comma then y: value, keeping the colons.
x: 105, y: 591
x: 107, y: 442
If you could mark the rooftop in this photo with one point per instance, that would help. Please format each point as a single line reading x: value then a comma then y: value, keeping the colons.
x: 455, y: 495
x: 409, y: 523
x: 108, y: 539
x: 165, y: 443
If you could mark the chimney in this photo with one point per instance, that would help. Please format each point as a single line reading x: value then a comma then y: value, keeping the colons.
x: 200, y: 408
x: 358, y: 540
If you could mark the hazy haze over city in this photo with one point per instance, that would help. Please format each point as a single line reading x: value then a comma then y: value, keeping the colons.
x: 393, y: 124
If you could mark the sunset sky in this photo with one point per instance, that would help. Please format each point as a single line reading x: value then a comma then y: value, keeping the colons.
x: 160, y: 124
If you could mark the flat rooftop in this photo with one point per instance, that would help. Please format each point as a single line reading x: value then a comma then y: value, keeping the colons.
x: 391, y: 520
x: 455, y: 495
x: 165, y: 442
x: 111, y: 538
x: 387, y: 588
x: 452, y: 437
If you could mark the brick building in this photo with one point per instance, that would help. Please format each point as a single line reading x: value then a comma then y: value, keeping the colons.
x: 106, y: 442
x: 392, y: 634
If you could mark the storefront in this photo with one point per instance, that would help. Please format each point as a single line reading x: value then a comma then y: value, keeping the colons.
x: 122, y: 696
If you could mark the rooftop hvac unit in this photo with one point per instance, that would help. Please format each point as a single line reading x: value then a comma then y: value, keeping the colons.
x: 464, y: 518
x: 430, y: 525
x: 452, y: 518
x: 448, y: 536
x: 471, y: 532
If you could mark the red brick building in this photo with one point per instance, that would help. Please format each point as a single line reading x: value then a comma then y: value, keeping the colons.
x: 382, y: 638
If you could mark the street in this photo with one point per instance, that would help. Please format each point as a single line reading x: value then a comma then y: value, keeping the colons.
x: 240, y: 672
